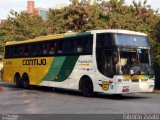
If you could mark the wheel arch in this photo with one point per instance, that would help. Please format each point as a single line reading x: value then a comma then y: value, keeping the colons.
x: 25, y: 74
x: 82, y: 79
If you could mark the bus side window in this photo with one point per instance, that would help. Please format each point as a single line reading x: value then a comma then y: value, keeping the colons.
x: 35, y: 49
x: 104, y: 40
x: 88, y: 44
x: 80, y: 45
x: 26, y: 51
x: 44, y: 49
x: 21, y: 50
x: 70, y: 46
x: 16, y: 51
x: 53, y: 48
x: 8, y: 51
x: 61, y: 47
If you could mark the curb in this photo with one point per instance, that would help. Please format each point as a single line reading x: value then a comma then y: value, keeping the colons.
x: 156, y: 91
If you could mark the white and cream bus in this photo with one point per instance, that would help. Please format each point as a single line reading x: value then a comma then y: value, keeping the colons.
x: 105, y: 61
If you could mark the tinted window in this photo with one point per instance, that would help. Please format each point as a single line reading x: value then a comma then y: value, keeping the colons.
x: 70, y: 46
x: 104, y: 39
x: 36, y: 49
x: 88, y: 44
x: 131, y: 40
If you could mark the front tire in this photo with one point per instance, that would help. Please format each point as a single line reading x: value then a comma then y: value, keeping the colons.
x: 87, y: 87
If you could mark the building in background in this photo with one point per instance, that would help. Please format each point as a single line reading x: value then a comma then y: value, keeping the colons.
x: 31, y: 6
x: 42, y: 12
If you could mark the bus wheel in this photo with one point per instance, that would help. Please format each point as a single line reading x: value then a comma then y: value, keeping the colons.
x: 86, y: 87
x: 18, y: 80
x: 25, y: 80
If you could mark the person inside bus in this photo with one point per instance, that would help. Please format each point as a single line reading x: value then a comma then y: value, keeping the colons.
x: 132, y: 60
x: 60, y: 51
x: 79, y: 49
x: 22, y: 51
x: 44, y: 50
x: 27, y: 48
x: 128, y: 63
x: 52, y: 51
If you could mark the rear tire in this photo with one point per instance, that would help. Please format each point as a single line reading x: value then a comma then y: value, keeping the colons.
x: 87, y: 87
x: 18, y: 81
x: 25, y: 80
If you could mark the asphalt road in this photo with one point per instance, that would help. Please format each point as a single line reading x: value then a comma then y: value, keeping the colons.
x: 47, y: 101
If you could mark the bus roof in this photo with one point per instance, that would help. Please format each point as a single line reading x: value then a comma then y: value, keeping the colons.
x: 120, y: 31
x: 74, y: 34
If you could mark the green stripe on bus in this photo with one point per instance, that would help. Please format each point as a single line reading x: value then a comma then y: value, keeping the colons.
x: 67, y: 68
x: 61, y: 68
x: 54, y: 69
x: 149, y: 76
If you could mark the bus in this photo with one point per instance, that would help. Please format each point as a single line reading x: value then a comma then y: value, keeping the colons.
x: 109, y: 61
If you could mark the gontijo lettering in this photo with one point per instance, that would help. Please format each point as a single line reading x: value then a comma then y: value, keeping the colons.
x: 34, y: 62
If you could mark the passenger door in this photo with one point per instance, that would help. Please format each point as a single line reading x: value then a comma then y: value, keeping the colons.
x: 107, y: 63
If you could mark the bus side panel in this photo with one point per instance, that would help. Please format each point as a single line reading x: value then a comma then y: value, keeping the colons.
x: 36, y: 68
x: 8, y: 71
x: 72, y: 69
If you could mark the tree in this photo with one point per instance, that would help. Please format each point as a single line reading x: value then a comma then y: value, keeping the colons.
x: 79, y: 16
x: 56, y: 21
x: 22, y: 26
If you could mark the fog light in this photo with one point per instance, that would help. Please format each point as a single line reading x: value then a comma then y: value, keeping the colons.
x: 119, y: 80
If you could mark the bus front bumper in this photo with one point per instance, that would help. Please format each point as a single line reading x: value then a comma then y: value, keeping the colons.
x: 122, y: 88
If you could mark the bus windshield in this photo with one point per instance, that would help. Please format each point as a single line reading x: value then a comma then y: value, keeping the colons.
x: 134, y: 62
x: 123, y: 54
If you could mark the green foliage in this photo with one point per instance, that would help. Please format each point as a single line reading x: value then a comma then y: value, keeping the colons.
x: 79, y: 16
x: 56, y: 21
x: 21, y: 27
